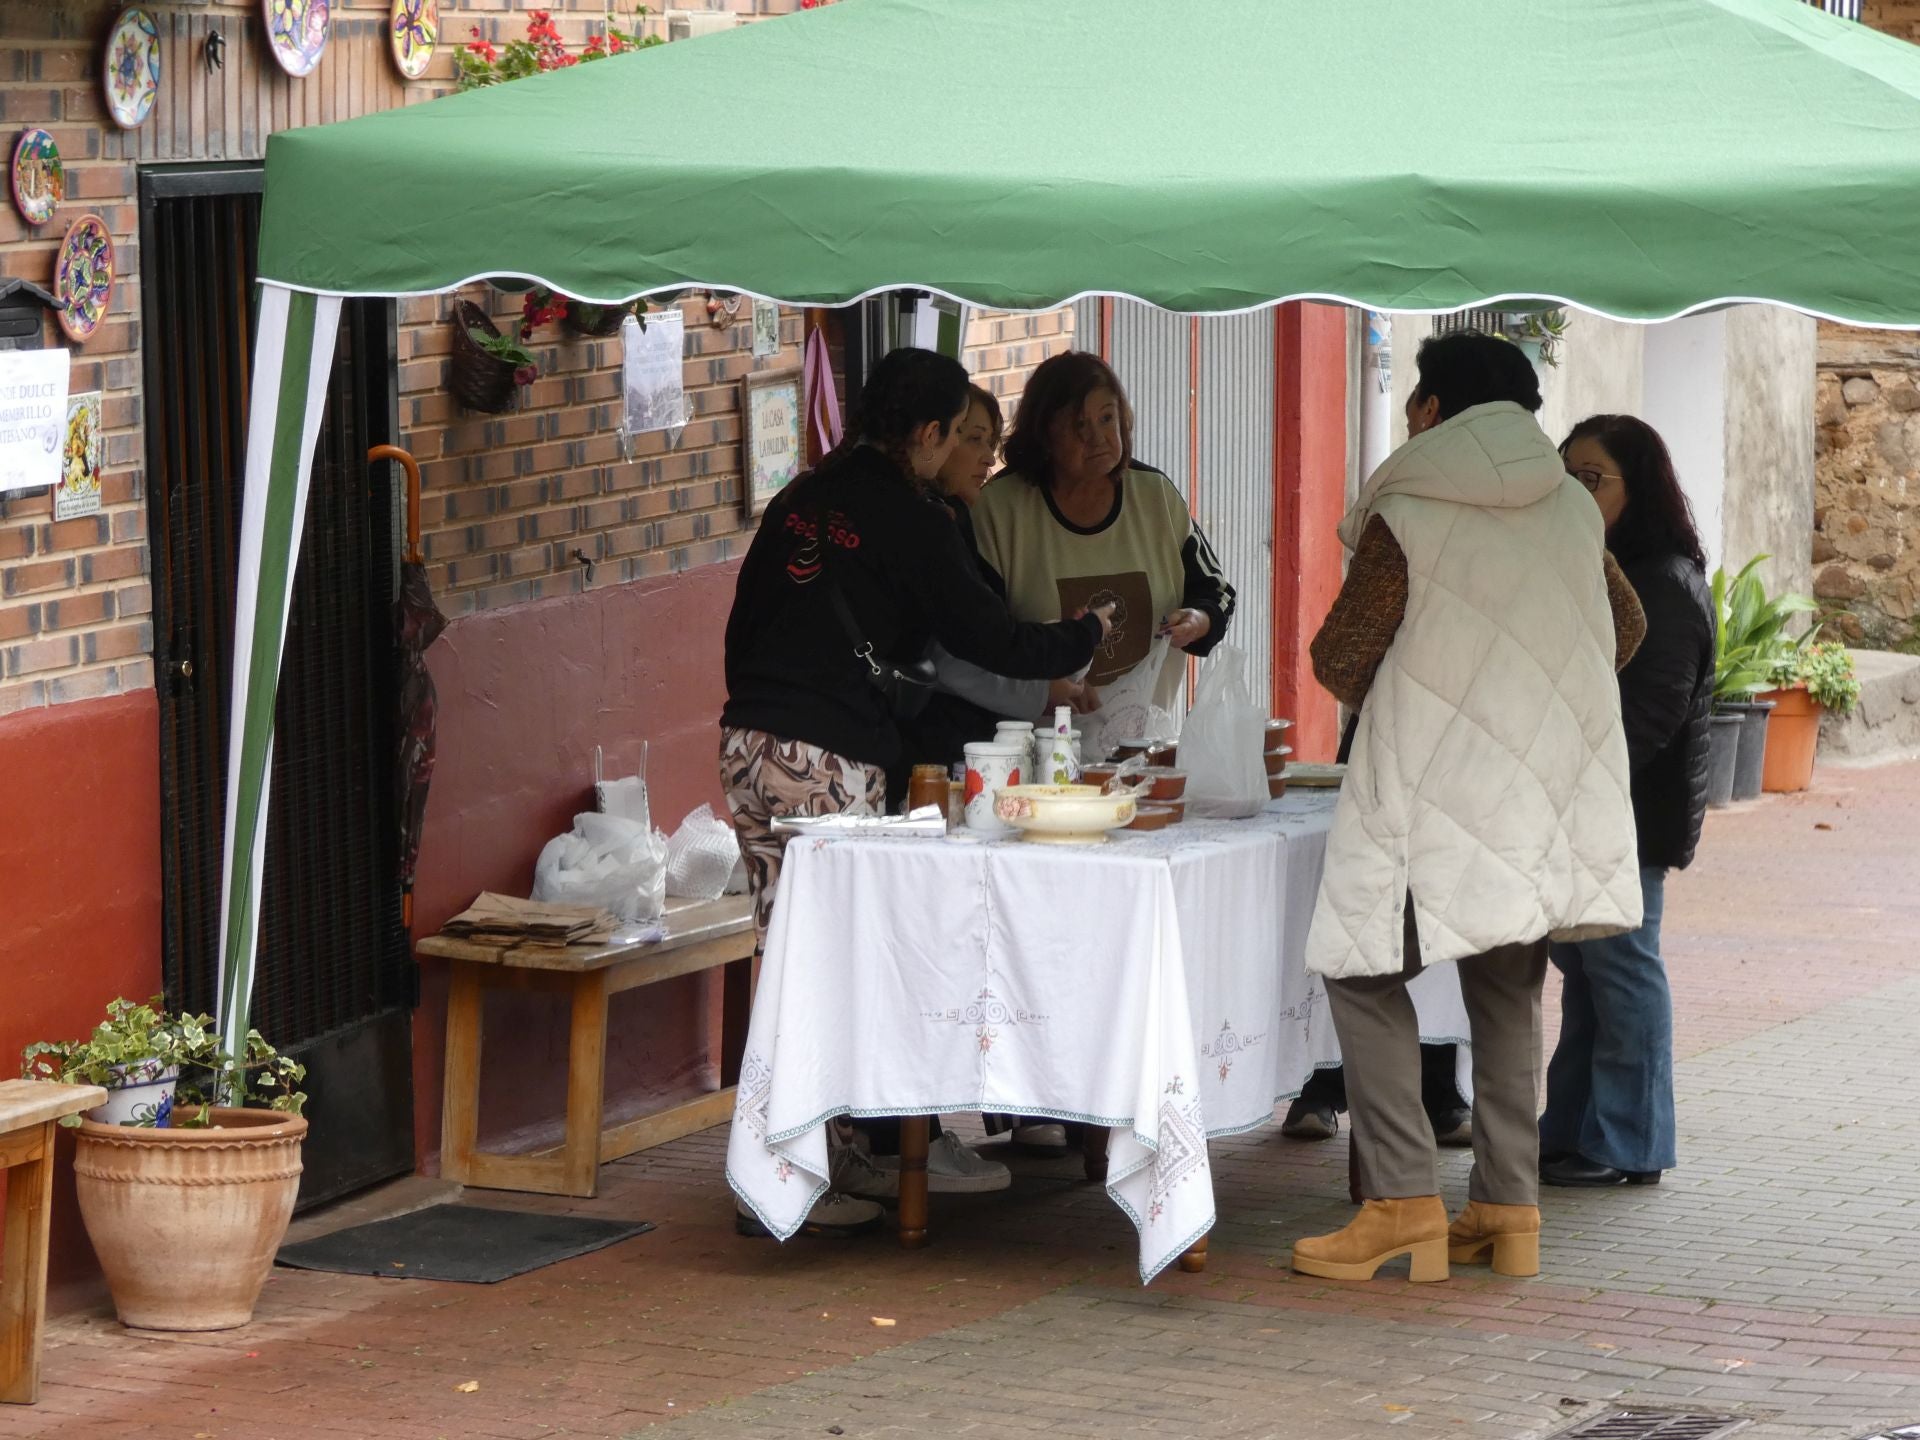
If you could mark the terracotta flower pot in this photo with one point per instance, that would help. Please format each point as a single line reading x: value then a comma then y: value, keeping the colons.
x: 186, y: 1221
x: 1793, y: 735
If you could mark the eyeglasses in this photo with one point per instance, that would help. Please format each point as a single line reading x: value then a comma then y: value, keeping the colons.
x: 1591, y: 478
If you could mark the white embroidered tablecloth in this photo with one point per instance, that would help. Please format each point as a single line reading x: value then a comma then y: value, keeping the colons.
x: 1154, y: 985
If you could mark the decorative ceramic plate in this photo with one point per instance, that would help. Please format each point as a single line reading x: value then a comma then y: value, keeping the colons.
x: 83, y: 277
x: 413, y: 29
x: 132, y: 71
x: 39, y: 180
x: 297, y: 32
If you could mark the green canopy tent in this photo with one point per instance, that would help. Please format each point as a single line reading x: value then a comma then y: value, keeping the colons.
x: 1638, y: 158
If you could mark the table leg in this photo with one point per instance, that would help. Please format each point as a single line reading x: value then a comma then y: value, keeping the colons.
x: 460, y: 1102
x: 586, y: 1081
x: 1093, y: 1152
x: 736, y: 1010
x: 913, y: 1181
x: 1194, y: 1261
x: 1353, y: 1167
x: 23, y: 1266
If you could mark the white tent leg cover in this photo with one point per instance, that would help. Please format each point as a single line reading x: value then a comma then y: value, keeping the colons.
x: 293, y: 356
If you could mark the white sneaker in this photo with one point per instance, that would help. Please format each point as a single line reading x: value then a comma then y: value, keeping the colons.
x: 953, y: 1169
x: 832, y: 1214
x: 1048, y: 1138
x: 851, y: 1173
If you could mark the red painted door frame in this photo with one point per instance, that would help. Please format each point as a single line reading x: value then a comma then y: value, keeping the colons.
x: 1309, y: 495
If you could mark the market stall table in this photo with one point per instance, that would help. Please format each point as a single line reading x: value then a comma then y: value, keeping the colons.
x: 1154, y: 985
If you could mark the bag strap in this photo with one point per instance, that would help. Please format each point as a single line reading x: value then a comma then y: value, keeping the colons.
x: 862, y: 647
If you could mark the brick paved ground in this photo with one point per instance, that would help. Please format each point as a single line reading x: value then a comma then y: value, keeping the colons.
x: 1775, y: 1275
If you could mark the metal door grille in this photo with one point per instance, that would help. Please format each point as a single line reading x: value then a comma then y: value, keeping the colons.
x: 332, y: 951
x: 1653, y: 1425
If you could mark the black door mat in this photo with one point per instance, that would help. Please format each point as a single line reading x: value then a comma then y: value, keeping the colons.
x: 458, y: 1242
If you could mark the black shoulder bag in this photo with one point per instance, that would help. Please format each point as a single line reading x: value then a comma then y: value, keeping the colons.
x: 905, y: 688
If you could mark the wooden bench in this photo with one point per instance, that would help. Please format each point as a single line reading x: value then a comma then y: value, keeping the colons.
x: 700, y: 936
x: 29, y: 1111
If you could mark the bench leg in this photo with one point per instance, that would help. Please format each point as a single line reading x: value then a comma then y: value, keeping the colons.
x: 913, y: 1181
x: 23, y: 1271
x: 586, y: 1082
x: 460, y: 1104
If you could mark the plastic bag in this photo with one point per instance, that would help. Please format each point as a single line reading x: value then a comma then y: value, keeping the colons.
x: 609, y: 861
x: 626, y: 796
x: 1127, y: 711
x: 1222, y: 747
x: 701, y: 856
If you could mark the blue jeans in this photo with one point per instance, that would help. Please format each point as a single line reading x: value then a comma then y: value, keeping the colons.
x: 1610, y: 1082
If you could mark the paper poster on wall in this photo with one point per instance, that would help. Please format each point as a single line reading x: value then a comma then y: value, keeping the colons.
x: 766, y: 329
x: 33, y: 417
x: 78, y: 491
x: 652, y: 372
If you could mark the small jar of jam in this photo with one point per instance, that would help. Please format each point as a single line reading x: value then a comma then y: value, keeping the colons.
x: 927, y: 785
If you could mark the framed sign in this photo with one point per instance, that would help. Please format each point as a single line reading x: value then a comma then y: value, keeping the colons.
x: 770, y: 435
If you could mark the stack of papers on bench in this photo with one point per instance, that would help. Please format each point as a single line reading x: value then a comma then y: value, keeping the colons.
x: 506, y: 920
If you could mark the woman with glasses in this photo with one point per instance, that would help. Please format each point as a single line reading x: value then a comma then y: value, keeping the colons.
x: 1609, y: 1115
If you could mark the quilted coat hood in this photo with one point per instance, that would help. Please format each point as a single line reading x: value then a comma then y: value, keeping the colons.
x: 1492, y: 456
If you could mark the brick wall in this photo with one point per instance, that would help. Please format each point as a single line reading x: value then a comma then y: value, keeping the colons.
x: 508, y: 499
x: 1002, y: 349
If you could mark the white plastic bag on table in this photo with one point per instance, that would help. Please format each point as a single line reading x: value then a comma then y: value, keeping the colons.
x: 1222, y: 746
x: 701, y: 856
x: 1127, y: 711
x: 626, y: 796
x: 609, y: 861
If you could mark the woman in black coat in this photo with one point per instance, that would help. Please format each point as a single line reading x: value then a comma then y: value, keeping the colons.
x: 1609, y: 1115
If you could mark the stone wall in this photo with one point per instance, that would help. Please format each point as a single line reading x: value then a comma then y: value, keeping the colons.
x: 1866, y: 542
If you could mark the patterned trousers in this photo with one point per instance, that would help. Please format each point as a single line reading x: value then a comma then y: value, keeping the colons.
x: 766, y: 777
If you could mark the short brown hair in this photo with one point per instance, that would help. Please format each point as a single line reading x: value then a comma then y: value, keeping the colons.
x: 1062, y: 384
x: 990, y: 403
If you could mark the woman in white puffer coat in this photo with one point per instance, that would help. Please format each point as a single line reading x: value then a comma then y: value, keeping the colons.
x: 1486, y: 806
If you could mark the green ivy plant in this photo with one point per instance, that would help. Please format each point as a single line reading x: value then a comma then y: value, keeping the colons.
x: 144, y: 1040
x: 1750, y: 635
x: 1826, y: 669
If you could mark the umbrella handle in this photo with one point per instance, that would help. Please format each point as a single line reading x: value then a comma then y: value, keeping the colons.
x: 412, y: 467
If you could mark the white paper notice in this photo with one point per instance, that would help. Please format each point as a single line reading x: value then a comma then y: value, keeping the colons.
x: 33, y: 417
x: 652, y: 372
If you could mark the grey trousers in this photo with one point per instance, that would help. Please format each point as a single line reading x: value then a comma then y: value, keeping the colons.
x: 1380, y: 1042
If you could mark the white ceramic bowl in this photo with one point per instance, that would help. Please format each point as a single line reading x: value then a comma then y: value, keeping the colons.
x: 1064, y: 814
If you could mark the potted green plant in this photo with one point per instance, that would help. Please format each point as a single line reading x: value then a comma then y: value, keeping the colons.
x: 486, y: 367
x: 186, y: 1201
x: 1750, y: 636
x: 1808, y: 679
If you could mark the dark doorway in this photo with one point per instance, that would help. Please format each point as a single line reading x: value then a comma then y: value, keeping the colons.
x: 335, y: 982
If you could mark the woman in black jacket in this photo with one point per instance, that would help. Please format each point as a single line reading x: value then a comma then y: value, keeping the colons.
x: 1609, y: 1115
x: 855, y: 570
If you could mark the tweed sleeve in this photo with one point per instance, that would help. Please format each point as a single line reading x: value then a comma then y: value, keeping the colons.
x: 1629, y: 620
x: 1365, y: 616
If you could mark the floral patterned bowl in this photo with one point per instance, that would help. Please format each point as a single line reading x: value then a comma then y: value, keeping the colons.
x: 1064, y: 814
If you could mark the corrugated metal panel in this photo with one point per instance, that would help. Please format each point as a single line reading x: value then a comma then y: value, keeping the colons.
x: 1235, y: 497
x: 1152, y: 353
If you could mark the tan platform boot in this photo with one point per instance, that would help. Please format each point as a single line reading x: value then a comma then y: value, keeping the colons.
x: 1414, y: 1227
x: 1508, y: 1235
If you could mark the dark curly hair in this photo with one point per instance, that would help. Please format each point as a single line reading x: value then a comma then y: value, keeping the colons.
x: 1658, y: 520
x: 909, y: 388
x: 1465, y: 368
x: 1060, y: 384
